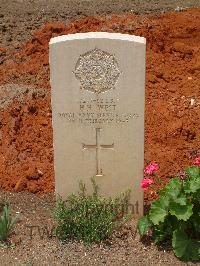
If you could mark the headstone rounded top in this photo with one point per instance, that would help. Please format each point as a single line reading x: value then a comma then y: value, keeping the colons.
x: 98, y: 35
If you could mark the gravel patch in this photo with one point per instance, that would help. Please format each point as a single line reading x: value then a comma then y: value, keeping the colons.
x: 42, y: 248
x: 11, y: 92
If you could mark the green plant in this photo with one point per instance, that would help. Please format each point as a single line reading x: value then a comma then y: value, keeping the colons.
x: 6, y: 223
x: 175, y: 216
x: 89, y: 218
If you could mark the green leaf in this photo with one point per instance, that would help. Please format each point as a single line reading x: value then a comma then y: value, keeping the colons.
x: 184, y: 247
x: 159, y: 210
x: 6, y: 223
x: 182, y: 200
x: 162, y: 232
x: 195, y: 220
x: 182, y: 212
x: 143, y: 225
x: 191, y: 185
x: 172, y: 189
x: 196, y: 197
x: 193, y: 171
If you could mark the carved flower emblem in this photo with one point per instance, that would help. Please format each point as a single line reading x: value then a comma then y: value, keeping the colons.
x: 97, y: 71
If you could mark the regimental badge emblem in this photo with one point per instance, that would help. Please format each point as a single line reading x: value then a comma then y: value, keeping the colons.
x: 97, y: 71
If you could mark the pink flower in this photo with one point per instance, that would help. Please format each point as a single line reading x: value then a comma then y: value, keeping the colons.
x: 197, y: 161
x: 151, y: 168
x: 146, y: 182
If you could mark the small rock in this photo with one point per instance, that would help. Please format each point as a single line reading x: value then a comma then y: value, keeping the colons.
x: 32, y: 177
x: 44, y: 122
x: 16, y: 240
x: 159, y: 74
x: 182, y: 48
x: 179, y: 9
x: 9, y: 39
x: 40, y: 173
x: 192, y: 102
x: 19, y: 186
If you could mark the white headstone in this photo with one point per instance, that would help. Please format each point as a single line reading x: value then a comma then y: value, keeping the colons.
x: 98, y: 82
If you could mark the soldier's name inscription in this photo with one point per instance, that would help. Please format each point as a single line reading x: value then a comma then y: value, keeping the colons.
x: 97, y: 111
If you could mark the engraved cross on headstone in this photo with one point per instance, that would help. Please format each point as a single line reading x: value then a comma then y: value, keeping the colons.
x: 98, y: 147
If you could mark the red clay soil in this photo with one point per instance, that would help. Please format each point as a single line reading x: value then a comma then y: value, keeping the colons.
x: 172, y: 128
